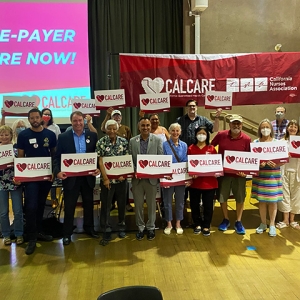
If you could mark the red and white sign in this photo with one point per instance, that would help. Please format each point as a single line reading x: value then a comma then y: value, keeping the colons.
x: 218, y: 100
x: 87, y: 107
x: 253, y: 78
x: 294, y: 146
x: 33, y: 169
x: 276, y: 151
x: 237, y: 161
x: 153, y: 166
x: 117, y: 166
x: 155, y: 102
x: 79, y: 164
x: 205, y: 165
x: 18, y: 105
x: 180, y: 175
x: 109, y: 98
x: 6, y: 156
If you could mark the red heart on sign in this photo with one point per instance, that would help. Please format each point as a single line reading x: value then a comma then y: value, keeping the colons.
x: 21, y: 167
x: 68, y: 162
x: 295, y: 144
x: 100, y: 98
x: 230, y: 159
x: 210, y: 98
x: 257, y: 149
x: 143, y: 163
x: 108, y: 165
x: 194, y: 162
x: 145, y: 101
x: 9, y: 103
x: 77, y: 105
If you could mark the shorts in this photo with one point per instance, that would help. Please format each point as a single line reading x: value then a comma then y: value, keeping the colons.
x: 235, y: 184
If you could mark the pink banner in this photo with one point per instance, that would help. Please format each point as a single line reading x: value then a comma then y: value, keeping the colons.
x: 257, y: 78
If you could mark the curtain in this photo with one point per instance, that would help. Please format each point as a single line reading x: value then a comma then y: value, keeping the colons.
x: 131, y: 26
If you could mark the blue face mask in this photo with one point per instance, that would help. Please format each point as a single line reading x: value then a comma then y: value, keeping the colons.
x: 18, y: 130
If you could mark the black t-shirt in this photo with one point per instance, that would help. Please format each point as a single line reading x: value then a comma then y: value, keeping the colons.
x: 36, y: 144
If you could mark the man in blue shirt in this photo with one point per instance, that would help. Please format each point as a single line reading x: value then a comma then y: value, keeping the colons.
x: 77, y: 140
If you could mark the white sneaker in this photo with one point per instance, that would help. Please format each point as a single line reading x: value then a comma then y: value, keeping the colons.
x: 167, y: 230
x: 261, y: 228
x: 179, y: 230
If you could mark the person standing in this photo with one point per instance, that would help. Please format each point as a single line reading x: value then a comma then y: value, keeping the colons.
x: 280, y: 123
x: 76, y: 140
x: 145, y: 143
x: 178, y: 149
x: 36, y: 141
x: 234, y: 140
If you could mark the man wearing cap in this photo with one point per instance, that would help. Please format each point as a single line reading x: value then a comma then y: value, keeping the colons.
x: 233, y: 140
x: 123, y: 131
x: 280, y: 124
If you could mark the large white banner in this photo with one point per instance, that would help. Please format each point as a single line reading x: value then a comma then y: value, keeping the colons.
x: 205, y: 165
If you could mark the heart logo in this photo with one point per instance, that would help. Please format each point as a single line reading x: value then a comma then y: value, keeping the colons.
x: 145, y: 101
x: 77, y: 105
x: 9, y: 103
x: 210, y: 98
x: 257, y: 149
x: 143, y: 163
x: 108, y: 165
x: 295, y: 144
x: 230, y: 159
x: 194, y: 162
x: 152, y: 86
x: 21, y: 167
x: 100, y: 98
x: 68, y: 162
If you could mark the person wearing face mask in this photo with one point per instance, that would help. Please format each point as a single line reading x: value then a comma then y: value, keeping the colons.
x: 267, y: 186
x: 234, y: 140
x: 178, y: 149
x: 49, y: 122
x: 290, y: 176
x: 17, y: 127
x: 279, y: 125
x: 202, y: 187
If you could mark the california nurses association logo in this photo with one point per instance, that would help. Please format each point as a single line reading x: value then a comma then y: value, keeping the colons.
x: 152, y: 86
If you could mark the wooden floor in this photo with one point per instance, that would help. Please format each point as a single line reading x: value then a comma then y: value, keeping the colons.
x: 222, y: 266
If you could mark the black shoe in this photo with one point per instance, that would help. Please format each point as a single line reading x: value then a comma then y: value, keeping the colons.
x: 92, y: 233
x: 140, y: 235
x: 44, y: 237
x: 150, y: 235
x: 129, y: 208
x: 122, y: 234
x: 66, y: 240
x: 30, y: 247
x: 206, y: 232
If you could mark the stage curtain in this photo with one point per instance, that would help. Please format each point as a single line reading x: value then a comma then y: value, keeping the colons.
x: 131, y: 26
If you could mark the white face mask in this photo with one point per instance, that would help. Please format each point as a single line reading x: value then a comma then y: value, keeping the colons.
x: 236, y: 130
x: 265, y: 131
x: 201, y: 137
x: 279, y: 115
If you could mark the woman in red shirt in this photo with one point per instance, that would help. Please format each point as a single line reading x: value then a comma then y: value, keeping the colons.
x: 204, y: 187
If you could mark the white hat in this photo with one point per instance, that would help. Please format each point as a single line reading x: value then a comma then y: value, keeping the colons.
x: 236, y: 118
x: 114, y: 112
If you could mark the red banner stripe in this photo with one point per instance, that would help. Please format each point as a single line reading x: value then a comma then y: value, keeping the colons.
x: 215, y: 173
x: 6, y: 166
x: 37, y: 178
x: 143, y: 175
x: 83, y: 173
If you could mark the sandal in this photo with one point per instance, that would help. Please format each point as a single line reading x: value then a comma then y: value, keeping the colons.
x: 20, y: 240
x: 281, y: 225
x: 7, y: 241
x: 295, y: 225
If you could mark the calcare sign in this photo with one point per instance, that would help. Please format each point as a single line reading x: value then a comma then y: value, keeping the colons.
x: 18, y: 105
x: 79, y: 164
x: 153, y: 166
x: 180, y: 175
x: 294, y: 146
x: 238, y: 161
x: 86, y: 106
x: 159, y: 102
x: 6, y: 156
x: 109, y: 98
x: 205, y: 165
x: 215, y: 99
x: 276, y: 151
x: 33, y: 169
x: 117, y: 166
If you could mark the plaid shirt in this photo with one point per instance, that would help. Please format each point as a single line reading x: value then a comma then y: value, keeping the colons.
x: 188, y: 127
x: 279, y: 131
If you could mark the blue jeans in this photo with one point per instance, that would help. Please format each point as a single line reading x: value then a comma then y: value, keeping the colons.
x: 17, y: 206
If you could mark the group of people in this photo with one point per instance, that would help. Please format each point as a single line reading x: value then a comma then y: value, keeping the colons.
x: 189, y: 135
